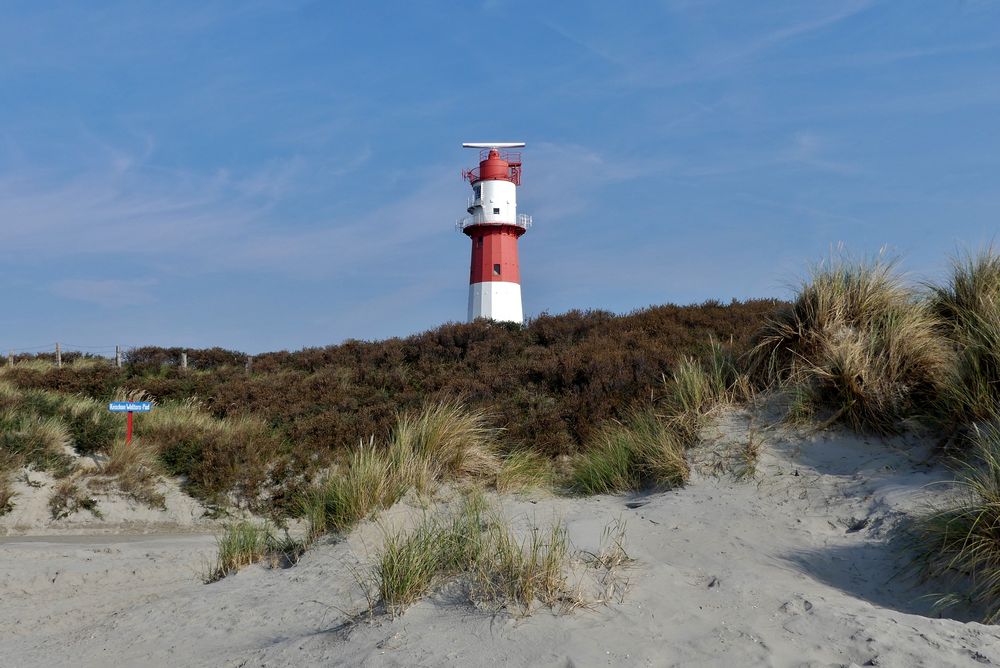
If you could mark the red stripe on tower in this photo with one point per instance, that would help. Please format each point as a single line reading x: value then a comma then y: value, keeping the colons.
x: 494, y: 227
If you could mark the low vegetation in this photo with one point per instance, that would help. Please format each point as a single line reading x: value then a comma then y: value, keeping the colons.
x: 498, y: 567
x: 245, y: 542
x: 859, y: 341
x: 444, y: 441
x: 223, y: 461
x: 961, y: 544
x: 549, y: 385
x: 641, y: 451
x: 135, y: 470
x: 70, y: 496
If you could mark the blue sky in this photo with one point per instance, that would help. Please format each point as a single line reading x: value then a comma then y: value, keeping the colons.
x: 266, y: 176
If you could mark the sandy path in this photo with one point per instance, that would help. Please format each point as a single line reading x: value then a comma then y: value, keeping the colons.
x: 798, y: 569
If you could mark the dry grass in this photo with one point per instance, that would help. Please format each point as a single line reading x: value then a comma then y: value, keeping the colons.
x: 969, y: 308
x: 444, y: 440
x: 135, y: 469
x: 610, y: 560
x: 639, y: 452
x: 858, y: 340
x: 69, y: 497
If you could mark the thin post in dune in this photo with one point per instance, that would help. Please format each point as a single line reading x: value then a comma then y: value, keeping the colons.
x: 10, y: 358
x: 58, y: 356
x: 184, y: 361
x: 118, y: 357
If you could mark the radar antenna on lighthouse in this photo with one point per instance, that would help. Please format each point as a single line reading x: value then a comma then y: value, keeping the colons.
x: 494, y: 225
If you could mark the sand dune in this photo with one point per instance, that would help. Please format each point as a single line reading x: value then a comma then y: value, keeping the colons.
x: 800, y: 566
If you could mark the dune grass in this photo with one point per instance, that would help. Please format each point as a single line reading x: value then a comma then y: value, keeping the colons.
x: 857, y: 339
x: 969, y: 308
x: 29, y: 440
x: 410, y: 562
x: 641, y: 451
x: 522, y: 470
x: 135, y: 468
x: 961, y: 543
x: 369, y: 481
x: 245, y: 543
x: 499, y: 567
x: 445, y: 441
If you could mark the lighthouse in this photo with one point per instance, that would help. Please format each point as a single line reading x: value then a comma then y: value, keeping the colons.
x: 494, y: 225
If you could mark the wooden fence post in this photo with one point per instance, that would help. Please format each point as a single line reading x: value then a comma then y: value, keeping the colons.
x: 118, y: 357
x: 10, y: 358
x: 58, y: 356
x: 184, y: 361
x: 249, y: 364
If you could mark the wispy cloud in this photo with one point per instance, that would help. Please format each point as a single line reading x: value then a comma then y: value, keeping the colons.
x: 722, y: 57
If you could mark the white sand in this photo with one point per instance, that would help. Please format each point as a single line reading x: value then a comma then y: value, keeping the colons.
x: 727, y: 574
x: 117, y: 514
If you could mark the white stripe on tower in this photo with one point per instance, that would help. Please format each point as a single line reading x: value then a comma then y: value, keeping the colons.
x: 496, y: 300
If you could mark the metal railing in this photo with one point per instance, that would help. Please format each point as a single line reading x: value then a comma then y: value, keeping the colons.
x: 523, y: 221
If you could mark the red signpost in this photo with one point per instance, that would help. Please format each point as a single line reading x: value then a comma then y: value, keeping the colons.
x: 129, y: 407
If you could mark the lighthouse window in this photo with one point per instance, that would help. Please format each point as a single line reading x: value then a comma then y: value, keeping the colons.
x: 478, y: 191
x: 496, y: 210
x: 496, y: 270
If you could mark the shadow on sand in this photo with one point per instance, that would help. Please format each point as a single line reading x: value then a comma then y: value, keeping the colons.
x: 882, y: 572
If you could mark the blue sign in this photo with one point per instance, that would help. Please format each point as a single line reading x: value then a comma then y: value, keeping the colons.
x: 130, y: 406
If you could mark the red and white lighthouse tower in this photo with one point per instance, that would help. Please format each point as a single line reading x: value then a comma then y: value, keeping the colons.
x: 494, y: 225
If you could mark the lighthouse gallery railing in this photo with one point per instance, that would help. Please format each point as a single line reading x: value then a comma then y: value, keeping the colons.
x: 523, y: 221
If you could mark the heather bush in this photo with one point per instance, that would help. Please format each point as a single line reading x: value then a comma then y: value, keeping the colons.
x: 549, y: 385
